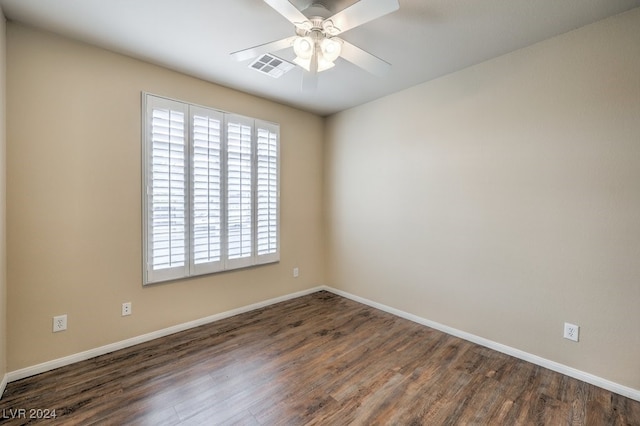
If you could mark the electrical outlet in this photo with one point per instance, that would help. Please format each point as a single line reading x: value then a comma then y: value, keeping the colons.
x: 571, y: 331
x: 126, y: 309
x: 59, y: 323
x: 296, y: 272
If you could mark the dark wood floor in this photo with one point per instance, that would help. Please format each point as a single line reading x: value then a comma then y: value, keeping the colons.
x: 318, y: 359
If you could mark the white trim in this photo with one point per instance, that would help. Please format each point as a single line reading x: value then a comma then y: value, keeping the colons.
x: 82, y: 356
x: 3, y: 384
x: 517, y: 353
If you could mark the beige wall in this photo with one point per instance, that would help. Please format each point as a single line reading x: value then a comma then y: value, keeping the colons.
x: 74, y: 200
x: 504, y: 199
x: 3, y: 238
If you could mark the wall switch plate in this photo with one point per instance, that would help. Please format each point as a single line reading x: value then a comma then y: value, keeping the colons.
x: 126, y: 309
x: 571, y: 331
x: 296, y: 272
x: 59, y: 323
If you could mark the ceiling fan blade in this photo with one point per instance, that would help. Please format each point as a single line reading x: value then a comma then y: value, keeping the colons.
x: 310, y: 78
x: 252, y: 52
x: 290, y: 12
x: 362, y: 12
x: 364, y: 60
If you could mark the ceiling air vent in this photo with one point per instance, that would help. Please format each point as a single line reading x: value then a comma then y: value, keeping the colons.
x: 271, y: 65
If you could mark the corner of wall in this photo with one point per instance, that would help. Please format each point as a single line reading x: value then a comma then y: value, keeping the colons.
x: 3, y: 252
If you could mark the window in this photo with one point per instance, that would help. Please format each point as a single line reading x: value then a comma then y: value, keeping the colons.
x: 211, y: 190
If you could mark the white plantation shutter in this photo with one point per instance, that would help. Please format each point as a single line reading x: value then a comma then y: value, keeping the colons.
x: 166, y: 191
x: 267, y: 191
x: 211, y: 181
x: 206, y: 189
x: 239, y: 190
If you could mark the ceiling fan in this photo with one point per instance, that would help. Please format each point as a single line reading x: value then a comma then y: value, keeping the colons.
x: 316, y: 44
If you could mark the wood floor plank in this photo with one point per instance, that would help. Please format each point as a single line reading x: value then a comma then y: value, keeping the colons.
x: 316, y: 360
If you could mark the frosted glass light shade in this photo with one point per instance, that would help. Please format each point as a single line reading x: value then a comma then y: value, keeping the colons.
x: 303, y: 47
x: 330, y: 48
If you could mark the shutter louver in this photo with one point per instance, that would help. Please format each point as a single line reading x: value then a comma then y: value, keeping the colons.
x: 239, y: 189
x: 267, y: 191
x: 206, y: 188
x: 167, y: 193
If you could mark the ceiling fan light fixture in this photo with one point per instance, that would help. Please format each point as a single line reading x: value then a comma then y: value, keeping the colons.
x: 329, y: 28
x: 304, y: 26
x: 315, y: 43
x: 323, y: 64
x: 331, y: 48
x: 303, y: 47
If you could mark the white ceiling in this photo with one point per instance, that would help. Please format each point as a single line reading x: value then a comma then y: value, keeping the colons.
x: 423, y: 40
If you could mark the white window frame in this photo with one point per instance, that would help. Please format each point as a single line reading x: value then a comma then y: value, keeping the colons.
x: 258, y: 127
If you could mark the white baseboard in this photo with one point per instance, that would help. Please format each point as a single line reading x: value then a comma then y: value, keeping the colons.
x: 71, y: 359
x: 3, y: 384
x: 517, y: 353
